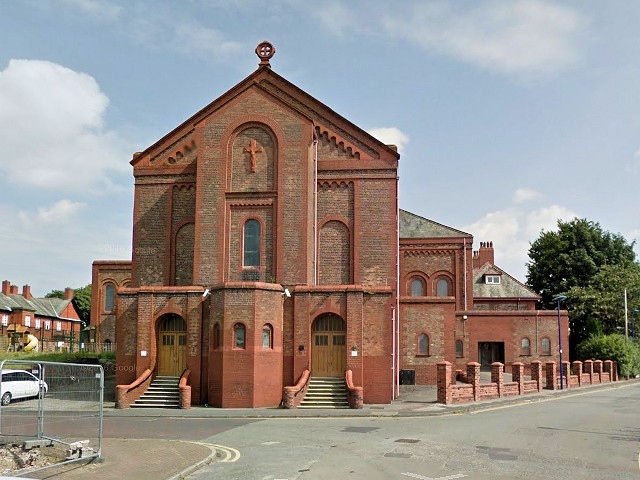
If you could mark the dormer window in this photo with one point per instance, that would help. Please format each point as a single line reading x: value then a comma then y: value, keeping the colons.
x: 492, y: 279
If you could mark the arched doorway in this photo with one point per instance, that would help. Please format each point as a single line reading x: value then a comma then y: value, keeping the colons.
x: 172, y: 345
x: 328, y: 346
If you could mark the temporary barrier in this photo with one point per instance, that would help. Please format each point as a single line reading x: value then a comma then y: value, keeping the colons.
x: 55, y: 407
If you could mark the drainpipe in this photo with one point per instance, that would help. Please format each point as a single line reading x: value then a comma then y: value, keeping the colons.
x: 315, y: 205
x: 396, y: 316
x: 464, y: 259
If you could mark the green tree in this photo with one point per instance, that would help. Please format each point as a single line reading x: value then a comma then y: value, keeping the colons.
x: 81, y: 300
x: 599, y: 308
x: 612, y: 347
x: 572, y: 257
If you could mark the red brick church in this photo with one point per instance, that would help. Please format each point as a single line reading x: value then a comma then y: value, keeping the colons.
x: 268, y: 242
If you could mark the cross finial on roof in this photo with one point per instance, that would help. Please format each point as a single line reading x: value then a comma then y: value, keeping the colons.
x: 265, y: 51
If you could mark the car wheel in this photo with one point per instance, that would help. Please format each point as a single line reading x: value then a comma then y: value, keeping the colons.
x: 6, y: 399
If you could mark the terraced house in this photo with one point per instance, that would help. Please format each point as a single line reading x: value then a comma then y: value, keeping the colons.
x: 269, y: 247
x: 54, y: 322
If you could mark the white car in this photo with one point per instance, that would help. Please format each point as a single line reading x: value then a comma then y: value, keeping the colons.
x: 20, y: 384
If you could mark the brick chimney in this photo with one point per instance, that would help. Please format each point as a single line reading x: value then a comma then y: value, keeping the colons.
x: 68, y: 293
x: 484, y: 255
x: 13, y: 290
x: 26, y: 292
x: 6, y: 287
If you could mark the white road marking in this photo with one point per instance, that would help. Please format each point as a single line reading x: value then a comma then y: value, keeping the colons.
x: 422, y: 477
x: 230, y: 454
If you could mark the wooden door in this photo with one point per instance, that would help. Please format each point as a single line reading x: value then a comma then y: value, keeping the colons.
x: 328, y: 347
x: 172, y: 346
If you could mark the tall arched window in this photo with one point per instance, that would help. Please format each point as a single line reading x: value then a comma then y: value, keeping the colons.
x: 442, y: 287
x: 526, y: 346
x: 423, y: 344
x: 546, y: 346
x: 109, y: 297
x: 216, y: 335
x: 459, y: 348
x: 251, y: 244
x: 417, y: 287
x: 267, y: 336
x: 239, y: 337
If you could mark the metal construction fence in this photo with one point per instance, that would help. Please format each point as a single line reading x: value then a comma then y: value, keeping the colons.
x: 52, y: 404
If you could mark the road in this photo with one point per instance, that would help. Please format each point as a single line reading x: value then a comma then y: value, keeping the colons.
x: 590, y: 435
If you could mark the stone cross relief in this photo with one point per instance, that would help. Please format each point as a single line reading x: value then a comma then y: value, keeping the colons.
x: 252, y: 149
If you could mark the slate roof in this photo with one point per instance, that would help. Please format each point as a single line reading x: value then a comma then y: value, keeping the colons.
x: 45, y: 307
x: 415, y: 226
x: 508, y: 287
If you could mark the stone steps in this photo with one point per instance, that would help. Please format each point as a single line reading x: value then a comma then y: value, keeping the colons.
x: 325, y: 392
x: 162, y: 393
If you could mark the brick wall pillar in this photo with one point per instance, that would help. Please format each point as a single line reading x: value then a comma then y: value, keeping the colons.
x: 597, y: 370
x: 588, y: 368
x: 615, y: 371
x: 517, y: 373
x: 608, y: 368
x: 473, y: 377
x: 566, y: 370
x: 577, y: 370
x: 552, y: 383
x: 497, y: 376
x: 536, y: 373
x: 444, y: 382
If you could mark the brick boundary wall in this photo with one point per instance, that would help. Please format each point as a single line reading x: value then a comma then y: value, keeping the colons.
x: 472, y: 389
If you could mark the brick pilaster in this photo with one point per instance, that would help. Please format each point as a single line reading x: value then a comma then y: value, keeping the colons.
x: 552, y: 381
x: 444, y: 382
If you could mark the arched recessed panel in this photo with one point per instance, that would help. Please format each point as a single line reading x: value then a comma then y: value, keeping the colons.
x: 253, y: 160
x: 183, y: 255
x: 334, y: 254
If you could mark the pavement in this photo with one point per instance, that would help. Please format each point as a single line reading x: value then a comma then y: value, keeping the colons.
x: 124, y: 458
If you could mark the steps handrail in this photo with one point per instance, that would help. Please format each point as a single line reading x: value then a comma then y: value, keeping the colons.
x: 127, y: 394
x: 355, y: 394
x: 291, y: 394
x: 185, y: 389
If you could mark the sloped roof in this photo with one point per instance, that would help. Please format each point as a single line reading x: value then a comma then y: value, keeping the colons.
x: 508, y: 287
x: 46, y: 307
x: 414, y: 226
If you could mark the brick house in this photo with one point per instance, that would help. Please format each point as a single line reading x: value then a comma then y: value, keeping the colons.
x: 267, y: 240
x: 53, y: 321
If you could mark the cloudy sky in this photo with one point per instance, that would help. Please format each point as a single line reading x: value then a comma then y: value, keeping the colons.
x: 509, y: 115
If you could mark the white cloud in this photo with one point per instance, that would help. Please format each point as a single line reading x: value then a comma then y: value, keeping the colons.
x: 530, y: 37
x: 335, y: 17
x: 52, y: 129
x: 523, y: 195
x: 194, y: 38
x: 547, y: 219
x: 391, y: 136
x: 96, y: 8
x: 512, y: 230
x: 61, y: 212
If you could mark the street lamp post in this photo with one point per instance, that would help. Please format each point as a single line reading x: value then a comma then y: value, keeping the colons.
x: 560, y: 298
